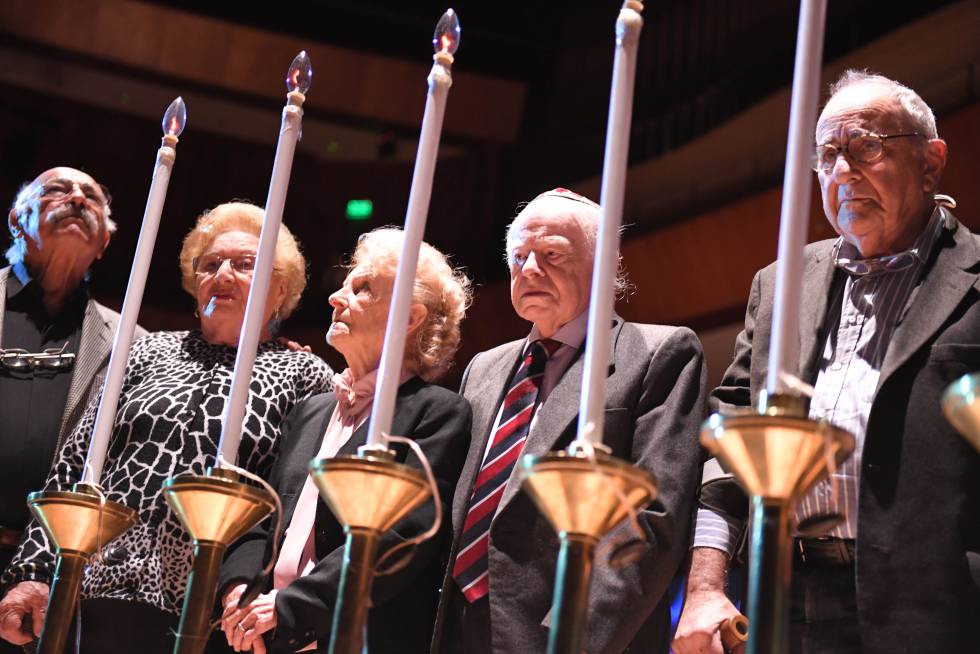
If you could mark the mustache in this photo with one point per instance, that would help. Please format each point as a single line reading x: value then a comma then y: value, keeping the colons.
x: 66, y: 211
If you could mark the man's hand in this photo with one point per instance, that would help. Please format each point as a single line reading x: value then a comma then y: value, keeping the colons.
x: 244, y: 627
x: 706, y: 606
x: 28, y: 599
x: 293, y: 345
x: 698, y: 631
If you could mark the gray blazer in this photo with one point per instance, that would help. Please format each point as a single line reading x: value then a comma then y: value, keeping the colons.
x: 918, y: 543
x: 654, y: 406
x: 91, y: 361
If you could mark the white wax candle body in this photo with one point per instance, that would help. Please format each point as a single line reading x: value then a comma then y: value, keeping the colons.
x: 393, y: 353
x: 252, y: 327
x: 784, y: 343
x: 106, y: 416
x: 591, y: 409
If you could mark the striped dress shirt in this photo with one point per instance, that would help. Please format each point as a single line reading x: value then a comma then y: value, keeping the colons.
x: 863, y: 311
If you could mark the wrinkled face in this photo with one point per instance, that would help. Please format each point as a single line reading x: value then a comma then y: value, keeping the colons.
x: 67, y: 212
x: 360, y: 314
x: 880, y: 207
x: 550, y: 265
x: 224, y: 278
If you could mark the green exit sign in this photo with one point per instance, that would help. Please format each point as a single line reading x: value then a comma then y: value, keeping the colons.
x: 359, y: 209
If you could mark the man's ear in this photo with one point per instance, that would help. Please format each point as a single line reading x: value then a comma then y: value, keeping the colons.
x: 13, y: 224
x: 105, y: 244
x: 416, y: 317
x: 934, y: 162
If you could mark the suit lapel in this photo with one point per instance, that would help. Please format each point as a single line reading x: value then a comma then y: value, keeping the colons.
x: 558, y: 412
x: 4, y: 273
x: 485, y: 388
x: 944, y: 286
x: 817, y: 280
x: 94, y: 347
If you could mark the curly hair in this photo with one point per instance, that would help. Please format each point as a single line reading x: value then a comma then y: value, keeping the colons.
x: 289, y: 265
x: 444, y: 291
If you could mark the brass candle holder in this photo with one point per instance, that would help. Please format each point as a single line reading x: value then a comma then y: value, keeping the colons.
x: 961, y: 404
x: 77, y: 522
x: 777, y: 454
x: 583, y: 498
x: 216, y: 509
x: 368, y: 494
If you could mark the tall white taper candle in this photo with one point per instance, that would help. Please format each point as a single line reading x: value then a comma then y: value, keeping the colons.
x: 784, y: 343
x: 298, y: 82
x: 590, y: 418
x: 174, y: 120
x: 446, y: 41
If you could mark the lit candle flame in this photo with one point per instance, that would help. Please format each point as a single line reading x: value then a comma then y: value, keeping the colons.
x: 446, y: 37
x: 175, y: 118
x: 300, y: 74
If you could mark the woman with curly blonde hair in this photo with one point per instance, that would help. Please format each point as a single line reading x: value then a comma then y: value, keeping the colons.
x: 299, y: 601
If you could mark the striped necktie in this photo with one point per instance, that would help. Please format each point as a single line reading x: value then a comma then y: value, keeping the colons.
x: 470, y: 569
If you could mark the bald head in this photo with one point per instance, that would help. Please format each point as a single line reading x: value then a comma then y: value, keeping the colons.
x: 62, y: 213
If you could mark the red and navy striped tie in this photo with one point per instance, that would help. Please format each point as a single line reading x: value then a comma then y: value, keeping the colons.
x: 470, y: 568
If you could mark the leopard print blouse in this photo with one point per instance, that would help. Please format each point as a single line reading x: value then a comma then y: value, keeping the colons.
x: 168, y: 422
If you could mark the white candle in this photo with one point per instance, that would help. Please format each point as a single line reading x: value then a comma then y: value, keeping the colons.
x: 590, y: 418
x: 174, y: 120
x: 298, y: 82
x: 784, y: 343
x: 446, y: 42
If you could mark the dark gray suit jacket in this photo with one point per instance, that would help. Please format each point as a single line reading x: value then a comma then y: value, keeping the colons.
x: 918, y: 544
x: 654, y: 406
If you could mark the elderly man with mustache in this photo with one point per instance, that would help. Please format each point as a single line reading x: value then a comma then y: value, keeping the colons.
x: 54, y: 339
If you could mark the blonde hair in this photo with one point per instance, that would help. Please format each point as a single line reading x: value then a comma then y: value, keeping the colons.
x: 443, y: 290
x: 289, y: 265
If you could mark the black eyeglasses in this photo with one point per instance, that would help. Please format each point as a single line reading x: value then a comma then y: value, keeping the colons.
x: 210, y: 264
x: 862, y: 146
x: 58, y: 189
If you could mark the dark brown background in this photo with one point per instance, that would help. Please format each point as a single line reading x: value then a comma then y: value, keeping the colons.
x: 85, y: 82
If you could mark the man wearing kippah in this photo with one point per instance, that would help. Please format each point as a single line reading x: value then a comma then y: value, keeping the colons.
x: 525, y: 396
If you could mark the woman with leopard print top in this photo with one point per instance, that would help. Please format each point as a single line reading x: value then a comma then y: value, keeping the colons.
x: 169, y: 422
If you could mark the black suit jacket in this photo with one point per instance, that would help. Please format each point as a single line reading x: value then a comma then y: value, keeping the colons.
x: 403, y: 603
x: 655, y: 395
x: 918, y: 544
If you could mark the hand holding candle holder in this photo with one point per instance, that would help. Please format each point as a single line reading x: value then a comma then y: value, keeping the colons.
x: 961, y: 404
x: 369, y: 493
x: 81, y: 521
x: 217, y: 508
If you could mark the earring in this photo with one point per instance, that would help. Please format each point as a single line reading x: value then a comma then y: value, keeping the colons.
x: 196, y: 314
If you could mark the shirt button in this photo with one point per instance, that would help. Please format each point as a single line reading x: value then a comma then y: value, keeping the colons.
x: 836, y: 365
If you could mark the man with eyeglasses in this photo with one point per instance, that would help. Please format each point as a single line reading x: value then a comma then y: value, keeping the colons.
x: 887, y: 553
x: 54, y: 339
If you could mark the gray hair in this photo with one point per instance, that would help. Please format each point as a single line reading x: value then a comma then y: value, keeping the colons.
x: 918, y: 112
x: 587, y: 215
x: 25, y: 202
